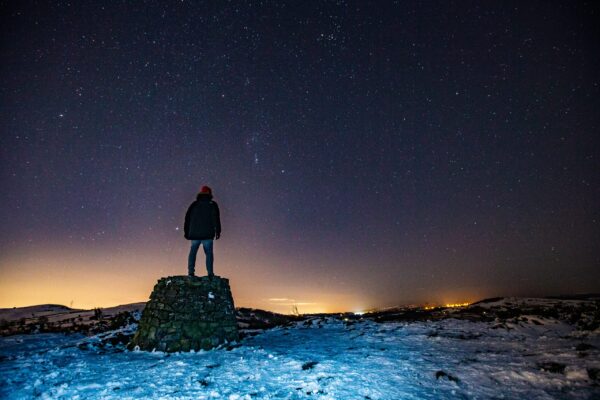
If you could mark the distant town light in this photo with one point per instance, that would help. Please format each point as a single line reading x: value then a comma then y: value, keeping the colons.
x: 447, y: 305
x: 455, y: 305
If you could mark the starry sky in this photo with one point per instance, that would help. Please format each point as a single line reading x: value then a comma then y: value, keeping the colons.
x: 363, y: 154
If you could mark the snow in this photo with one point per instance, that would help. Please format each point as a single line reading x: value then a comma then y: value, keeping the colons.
x: 322, y: 358
x: 530, y: 301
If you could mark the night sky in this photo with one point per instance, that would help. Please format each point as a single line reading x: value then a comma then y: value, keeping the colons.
x: 362, y: 154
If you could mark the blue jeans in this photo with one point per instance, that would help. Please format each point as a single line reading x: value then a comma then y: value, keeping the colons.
x: 207, y: 244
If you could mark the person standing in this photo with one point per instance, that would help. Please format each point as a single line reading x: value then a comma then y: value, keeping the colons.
x: 202, y: 225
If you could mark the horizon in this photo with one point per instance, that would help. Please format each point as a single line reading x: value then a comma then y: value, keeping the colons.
x: 290, y: 310
x: 361, y: 156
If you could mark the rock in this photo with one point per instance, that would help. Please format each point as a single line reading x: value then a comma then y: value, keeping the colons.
x: 309, y: 365
x: 443, y: 374
x: 584, y: 347
x: 551, y: 366
x: 187, y: 313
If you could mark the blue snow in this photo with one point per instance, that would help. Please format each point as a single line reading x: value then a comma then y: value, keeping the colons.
x: 322, y: 358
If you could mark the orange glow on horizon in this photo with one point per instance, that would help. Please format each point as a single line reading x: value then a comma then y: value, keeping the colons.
x: 100, y: 279
x: 88, y: 278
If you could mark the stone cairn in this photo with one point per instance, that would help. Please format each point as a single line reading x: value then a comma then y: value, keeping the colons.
x: 187, y: 313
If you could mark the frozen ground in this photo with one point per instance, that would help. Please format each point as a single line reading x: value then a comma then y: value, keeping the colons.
x: 321, y: 358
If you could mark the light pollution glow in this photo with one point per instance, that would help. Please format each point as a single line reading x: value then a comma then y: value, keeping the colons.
x: 49, y: 275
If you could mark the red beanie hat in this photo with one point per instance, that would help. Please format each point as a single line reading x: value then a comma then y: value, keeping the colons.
x: 206, y: 189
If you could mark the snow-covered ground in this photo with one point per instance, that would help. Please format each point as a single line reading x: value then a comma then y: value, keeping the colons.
x: 58, y: 317
x: 322, y: 358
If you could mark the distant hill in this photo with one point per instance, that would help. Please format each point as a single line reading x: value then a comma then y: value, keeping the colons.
x: 59, y: 318
x: 10, y: 314
x: 57, y: 312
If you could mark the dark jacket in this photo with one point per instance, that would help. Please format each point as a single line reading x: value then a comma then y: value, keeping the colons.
x: 202, y: 220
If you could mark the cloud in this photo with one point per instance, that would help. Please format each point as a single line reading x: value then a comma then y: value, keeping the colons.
x: 284, y: 301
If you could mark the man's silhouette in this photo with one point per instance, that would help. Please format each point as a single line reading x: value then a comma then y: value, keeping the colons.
x: 202, y: 225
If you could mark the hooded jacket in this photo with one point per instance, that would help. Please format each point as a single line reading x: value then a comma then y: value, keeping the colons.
x: 202, y: 220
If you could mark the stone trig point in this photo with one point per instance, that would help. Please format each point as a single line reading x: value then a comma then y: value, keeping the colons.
x: 187, y: 313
